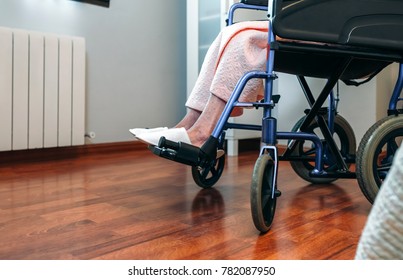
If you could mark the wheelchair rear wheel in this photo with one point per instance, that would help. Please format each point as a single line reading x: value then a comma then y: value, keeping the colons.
x: 375, y: 154
x: 263, y: 196
x: 345, y: 140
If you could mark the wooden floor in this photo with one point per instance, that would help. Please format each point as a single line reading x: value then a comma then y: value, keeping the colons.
x: 131, y: 204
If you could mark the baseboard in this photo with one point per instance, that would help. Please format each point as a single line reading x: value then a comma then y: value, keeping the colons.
x: 45, y: 154
x: 35, y: 155
x: 246, y: 145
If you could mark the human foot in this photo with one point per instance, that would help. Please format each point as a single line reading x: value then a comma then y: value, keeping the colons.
x: 190, y: 118
x: 205, y: 124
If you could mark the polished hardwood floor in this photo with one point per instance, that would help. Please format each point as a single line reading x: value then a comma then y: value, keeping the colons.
x: 130, y: 204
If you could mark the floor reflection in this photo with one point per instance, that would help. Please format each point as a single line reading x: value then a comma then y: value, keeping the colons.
x: 207, y: 203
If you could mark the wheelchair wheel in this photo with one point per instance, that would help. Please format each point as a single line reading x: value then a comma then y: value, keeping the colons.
x: 206, y: 177
x: 263, y: 196
x: 375, y: 154
x: 344, y: 138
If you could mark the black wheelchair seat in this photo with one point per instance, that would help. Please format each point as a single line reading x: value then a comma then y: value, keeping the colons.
x: 365, y: 23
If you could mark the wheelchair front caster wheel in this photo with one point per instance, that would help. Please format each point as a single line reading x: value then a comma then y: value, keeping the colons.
x: 206, y: 177
x: 263, y: 194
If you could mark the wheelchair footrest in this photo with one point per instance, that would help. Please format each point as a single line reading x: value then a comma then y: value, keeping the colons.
x: 186, y: 153
x: 177, y: 151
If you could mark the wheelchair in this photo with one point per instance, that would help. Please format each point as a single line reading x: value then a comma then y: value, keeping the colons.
x: 354, y: 41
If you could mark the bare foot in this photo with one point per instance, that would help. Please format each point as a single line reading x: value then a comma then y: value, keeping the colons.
x: 205, y: 124
x: 189, y: 119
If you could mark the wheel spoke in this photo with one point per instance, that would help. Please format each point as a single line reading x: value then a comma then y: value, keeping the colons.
x: 393, y: 146
x: 213, y: 171
x: 384, y: 167
x: 204, y: 173
x: 309, y: 152
x: 267, y: 190
x: 265, y: 200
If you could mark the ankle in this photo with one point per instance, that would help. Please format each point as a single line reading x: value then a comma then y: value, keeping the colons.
x: 189, y: 120
x: 197, y: 138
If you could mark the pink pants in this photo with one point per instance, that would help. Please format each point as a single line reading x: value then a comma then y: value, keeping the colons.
x: 238, y: 48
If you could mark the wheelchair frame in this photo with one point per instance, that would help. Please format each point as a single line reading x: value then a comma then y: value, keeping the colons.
x: 329, y: 162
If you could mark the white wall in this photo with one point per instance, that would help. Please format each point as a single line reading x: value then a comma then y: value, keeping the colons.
x: 136, y: 57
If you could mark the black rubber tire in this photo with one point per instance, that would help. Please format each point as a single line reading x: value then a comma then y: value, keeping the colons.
x: 346, y: 142
x: 207, y: 177
x: 373, y: 161
x: 263, y: 202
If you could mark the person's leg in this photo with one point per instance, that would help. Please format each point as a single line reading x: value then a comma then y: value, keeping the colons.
x: 244, y: 49
x: 190, y: 118
x: 205, y: 124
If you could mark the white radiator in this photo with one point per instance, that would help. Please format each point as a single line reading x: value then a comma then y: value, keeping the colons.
x: 42, y: 90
